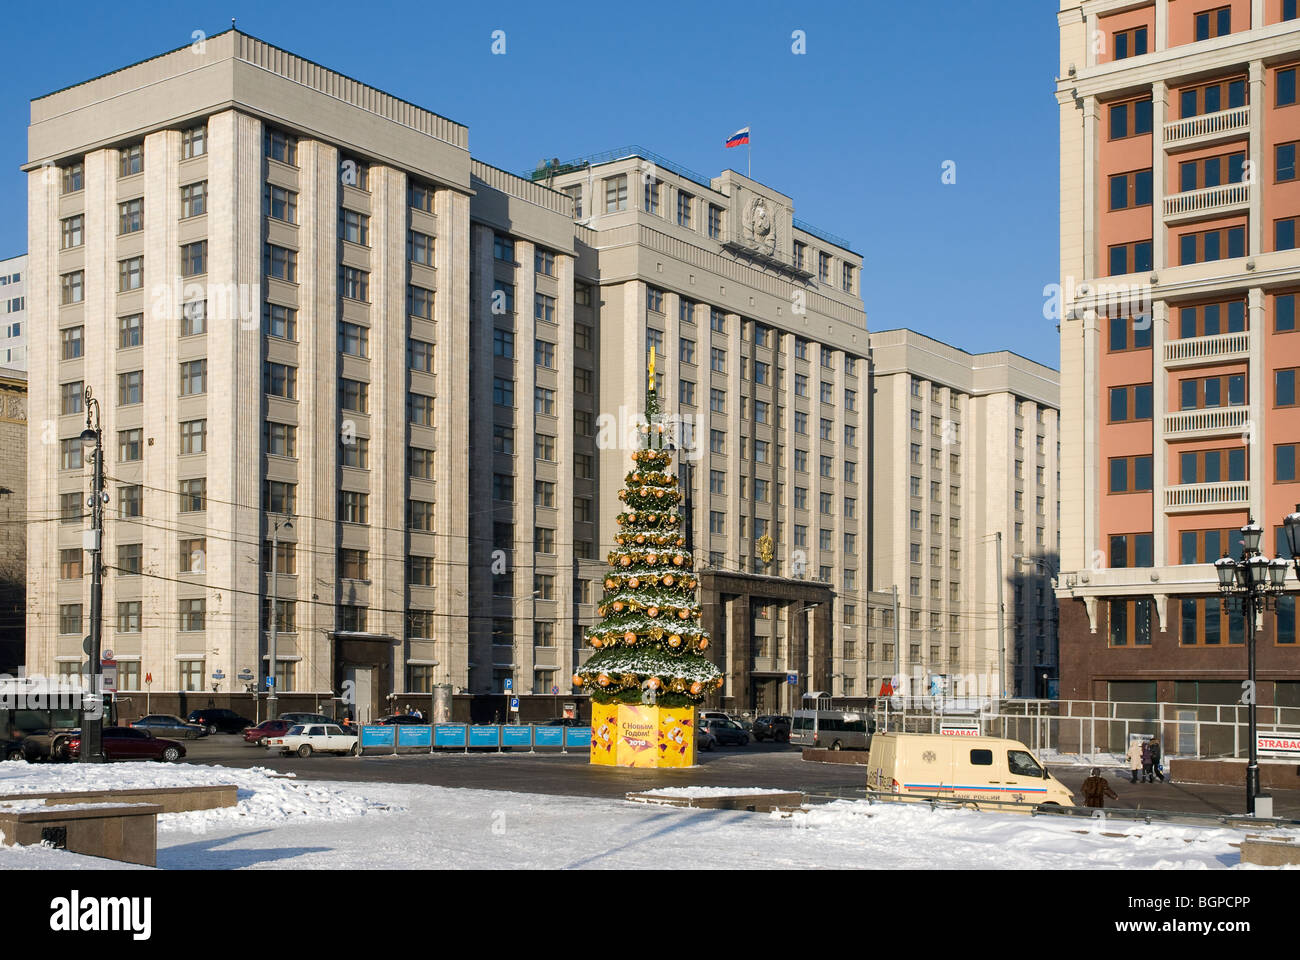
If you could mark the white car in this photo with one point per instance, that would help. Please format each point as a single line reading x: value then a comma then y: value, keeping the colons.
x: 306, y: 738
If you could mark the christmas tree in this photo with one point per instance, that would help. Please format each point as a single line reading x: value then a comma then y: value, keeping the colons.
x: 649, y: 641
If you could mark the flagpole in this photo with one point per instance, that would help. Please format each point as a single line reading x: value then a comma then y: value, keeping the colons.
x: 749, y: 153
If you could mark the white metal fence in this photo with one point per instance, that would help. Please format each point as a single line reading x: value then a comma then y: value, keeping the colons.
x: 1089, y: 727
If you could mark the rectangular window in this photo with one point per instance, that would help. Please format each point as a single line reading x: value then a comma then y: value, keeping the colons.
x: 73, y: 178
x: 1130, y: 623
x: 281, y: 263
x: 1130, y: 474
x: 684, y: 201
x: 1284, y: 394
x: 1130, y: 119
x: 281, y: 203
x: 543, y: 308
x: 280, y: 321
x: 130, y: 388
x: 130, y: 274
x: 354, y: 507
x: 354, y: 227
x: 194, y: 378
x: 194, y: 258
x: 194, y: 495
x: 1211, y: 245
x: 279, y: 497
x: 420, y: 461
x: 194, y: 142
x: 192, y: 616
x: 194, y: 318
x: 281, y: 439
x: 1284, y: 463
x: 1128, y: 190
x: 1284, y: 162
x: 281, y: 147
x: 616, y: 194
x: 193, y: 555
x: 1130, y: 258
x: 544, y: 401
x: 1214, y: 23
x: 1129, y: 43
x: 419, y: 248
x: 1284, y: 83
x: 194, y: 436
x: 419, y: 409
x: 130, y: 160
x: 1130, y: 403
x: 715, y: 222
x: 73, y: 232
x: 354, y: 284
x: 419, y: 355
x: 354, y: 340
x: 1209, y: 319
x: 72, y: 287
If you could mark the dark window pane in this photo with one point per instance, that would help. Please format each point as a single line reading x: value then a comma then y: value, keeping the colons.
x: 1142, y: 623
x: 1119, y: 192
x: 1142, y: 116
x: 1236, y: 94
x: 1141, y: 332
x: 1202, y: 26
x: 1187, y: 547
x: 1285, y: 235
x: 1142, y: 552
x: 1119, y: 121
x: 1187, y: 249
x: 1213, y: 171
x: 1286, y: 161
x: 1234, y: 543
x: 1188, y: 633
x: 1187, y: 395
x: 1121, y: 46
x: 1286, y: 87
x: 1142, y: 402
x: 1213, y: 622
x: 1187, y: 176
x: 1284, y: 388
x: 1237, y: 465
x: 1213, y: 246
x: 1187, y: 468
x: 1214, y: 392
x: 1140, y: 41
x: 1119, y: 476
x: 1225, y: 22
x: 1236, y: 316
x: 1237, y: 389
x: 1213, y: 99
x: 1118, y: 333
x: 1118, y: 260
x: 1118, y: 404
x: 1142, y: 188
x: 1119, y: 551
x: 1213, y: 473
x: 1237, y: 242
x: 1286, y: 463
x: 1142, y: 256
x: 1187, y: 322
x: 1118, y: 623
x: 1284, y: 313
x: 1213, y: 546
x: 1142, y: 473
x: 1187, y: 104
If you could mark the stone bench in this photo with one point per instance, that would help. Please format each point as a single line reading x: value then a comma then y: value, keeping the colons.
x: 125, y: 832
x: 752, y: 802
x: 168, y: 799
x: 1270, y: 853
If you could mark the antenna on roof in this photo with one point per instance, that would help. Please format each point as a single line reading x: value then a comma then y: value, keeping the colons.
x: 232, y: 23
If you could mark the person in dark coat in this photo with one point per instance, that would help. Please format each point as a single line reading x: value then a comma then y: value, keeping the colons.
x: 1147, y: 760
x: 1096, y: 789
x: 1156, y: 759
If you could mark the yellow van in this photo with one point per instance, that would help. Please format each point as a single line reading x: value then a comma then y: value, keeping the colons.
x: 962, y: 768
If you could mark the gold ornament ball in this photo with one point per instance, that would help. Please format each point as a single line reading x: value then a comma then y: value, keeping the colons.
x: 603, y: 680
x: 630, y: 636
x: 577, y: 680
x: 627, y: 561
x: 704, y: 643
x: 653, y: 611
x: 609, y: 584
x: 684, y: 614
x: 668, y: 580
x: 697, y: 688
x: 597, y: 642
x: 678, y: 560
x: 618, y: 606
x: 634, y: 583
x: 675, y: 640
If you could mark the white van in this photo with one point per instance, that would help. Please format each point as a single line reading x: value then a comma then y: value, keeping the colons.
x: 961, y: 768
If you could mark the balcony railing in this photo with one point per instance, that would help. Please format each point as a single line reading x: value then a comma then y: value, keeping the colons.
x: 1212, y: 420
x: 1207, y: 125
x: 1198, y: 496
x: 1207, y: 199
x: 1218, y: 346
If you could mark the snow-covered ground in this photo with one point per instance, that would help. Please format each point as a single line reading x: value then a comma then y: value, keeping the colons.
x: 283, y: 823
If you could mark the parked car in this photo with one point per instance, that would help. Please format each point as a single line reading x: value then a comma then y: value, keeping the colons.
x: 164, y: 723
x: 265, y: 730
x: 772, y: 728
x: 292, y: 718
x: 129, y: 743
x: 305, y: 739
x: 219, y: 721
x: 704, y: 738
x: 402, y: 718
x: 24, y: 749
x: 561, y: 722
x: 727, y: 731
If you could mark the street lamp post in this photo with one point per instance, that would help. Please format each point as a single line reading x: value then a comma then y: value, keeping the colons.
x: 272, y: 700
x: 92, y: 441
x: 1255, y: 580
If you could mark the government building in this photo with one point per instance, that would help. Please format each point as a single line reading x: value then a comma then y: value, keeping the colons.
x: 359, y: 385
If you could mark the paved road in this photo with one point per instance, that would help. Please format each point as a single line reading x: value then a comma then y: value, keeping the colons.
x: 757, y: 765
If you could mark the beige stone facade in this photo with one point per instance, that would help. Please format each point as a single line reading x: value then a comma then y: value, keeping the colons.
x: 964, y: 447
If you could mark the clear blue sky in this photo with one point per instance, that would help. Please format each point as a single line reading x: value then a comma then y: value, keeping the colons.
x: 856, y: 130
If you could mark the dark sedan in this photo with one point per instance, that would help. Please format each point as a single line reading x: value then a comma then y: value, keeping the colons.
x: 166, y: 724
x: 772, y: 728
x: 27, y: 750
x: 265, y: 730
x: 403, y: 718
x: 727, y: 731
x: 219, y: 721
x: 128, y: 743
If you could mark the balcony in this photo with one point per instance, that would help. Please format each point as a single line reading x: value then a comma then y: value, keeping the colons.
x: 1215, y: 348
x: 1208, y: 127
x: 1213, y: 421
x: 1188, y: 497
x: 1207, y: 201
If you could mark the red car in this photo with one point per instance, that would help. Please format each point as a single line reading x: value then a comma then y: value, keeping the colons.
x: 259, y: 734
x: 130, y: 743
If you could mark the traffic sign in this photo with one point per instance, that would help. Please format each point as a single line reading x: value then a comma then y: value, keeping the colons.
x: 555, y: 690
x: 108, y: 654
x: 148, y: 679
x: 514, y: 704
x: 218, y: 675
x: 792, y: 678
x: 510, y: 685
x: 270, y: 682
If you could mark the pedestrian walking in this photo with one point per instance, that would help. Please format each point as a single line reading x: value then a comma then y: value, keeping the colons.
x: 1135, y: 758
x: 1157, y: 758
x: 1147, y: 775
x: 1096, y: 789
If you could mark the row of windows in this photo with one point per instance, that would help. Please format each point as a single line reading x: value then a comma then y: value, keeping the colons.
x: 1134, y: 474
x: 1202, y: 622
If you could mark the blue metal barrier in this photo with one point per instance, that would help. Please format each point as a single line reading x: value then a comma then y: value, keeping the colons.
x: 464, y: 736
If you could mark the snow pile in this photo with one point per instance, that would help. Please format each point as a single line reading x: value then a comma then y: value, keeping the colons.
x: 712, y: 791
x: 264, y: 797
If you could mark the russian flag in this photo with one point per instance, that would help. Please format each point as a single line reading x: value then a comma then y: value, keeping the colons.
x: 739, y: 138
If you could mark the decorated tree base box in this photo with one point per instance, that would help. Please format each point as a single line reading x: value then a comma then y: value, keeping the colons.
x: 640, y: 735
